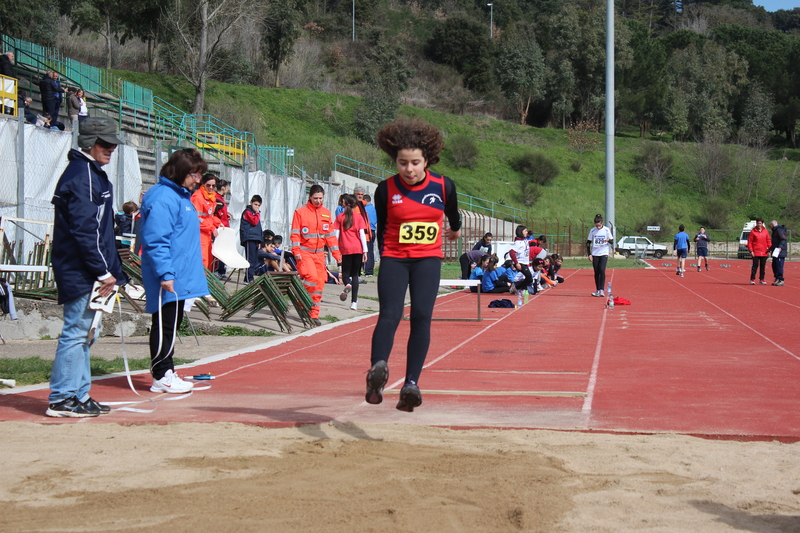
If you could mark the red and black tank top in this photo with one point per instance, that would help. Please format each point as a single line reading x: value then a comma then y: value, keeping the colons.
x: 414, y: 217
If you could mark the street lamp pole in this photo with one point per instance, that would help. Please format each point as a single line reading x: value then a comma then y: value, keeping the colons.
x: 491, y: 20
x: 354, y: 20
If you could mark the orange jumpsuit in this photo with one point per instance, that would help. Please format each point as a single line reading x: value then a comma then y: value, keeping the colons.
x: 312, y: 229
x: 208, y: 223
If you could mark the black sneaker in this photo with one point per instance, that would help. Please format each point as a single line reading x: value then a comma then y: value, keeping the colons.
x: 104, y: 409
x: 72, y: 408
x: 377, y: 377
x: 410, y: 397
x: 316, y: 321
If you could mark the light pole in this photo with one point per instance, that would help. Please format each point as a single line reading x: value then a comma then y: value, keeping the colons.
x: 491, y: 21
x: 354, y: 20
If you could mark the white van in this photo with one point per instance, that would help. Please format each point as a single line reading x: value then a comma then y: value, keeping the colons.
x: 744, y: 253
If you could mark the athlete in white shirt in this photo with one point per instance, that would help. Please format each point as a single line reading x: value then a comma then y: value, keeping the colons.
x: 598, y: 246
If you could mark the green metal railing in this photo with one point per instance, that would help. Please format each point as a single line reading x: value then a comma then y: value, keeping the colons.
x: 132, y: 104
x: 360, y: 170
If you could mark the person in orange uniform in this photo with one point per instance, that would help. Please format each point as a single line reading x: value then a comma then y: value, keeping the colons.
x: 312, y: 230
x: 204, y: 200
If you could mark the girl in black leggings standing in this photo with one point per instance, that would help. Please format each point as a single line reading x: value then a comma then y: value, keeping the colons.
x: 410, y: 207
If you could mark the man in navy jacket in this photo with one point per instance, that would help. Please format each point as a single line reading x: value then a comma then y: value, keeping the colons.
x: 84, y: 251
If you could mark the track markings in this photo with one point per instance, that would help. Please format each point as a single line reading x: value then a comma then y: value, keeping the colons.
x: 553, y: 394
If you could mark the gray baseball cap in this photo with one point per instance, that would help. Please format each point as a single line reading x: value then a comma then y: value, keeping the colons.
x: 94, y: 128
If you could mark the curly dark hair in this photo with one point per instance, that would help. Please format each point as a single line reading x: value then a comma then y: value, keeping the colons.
x: 410, y: 134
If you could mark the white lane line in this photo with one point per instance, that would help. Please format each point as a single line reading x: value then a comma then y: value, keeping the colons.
x: 587, y: 403
x: 557, y: 394
x: 524, y: 372
x: 481, y: 332
x: 745, y: 324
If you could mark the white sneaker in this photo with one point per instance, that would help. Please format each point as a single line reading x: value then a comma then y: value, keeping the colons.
x: 171, y: 383
x: 354, y: 306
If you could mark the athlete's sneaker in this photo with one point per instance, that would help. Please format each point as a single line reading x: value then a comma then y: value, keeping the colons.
x: 171, y: 383
x: 410, y: 397
x: 707, y: 268
x: 681, y: 274
x: 678, y: 272
x: 345, y: 292
x: 698, y: 268
x: 778, y: 283
x: 71, y: 408
x: 94, y: 404
x: 597, y: 293
x: 513, y: 289
x: 354, y: 306
x: 317, y: 322
x: 377, y: 377
x: 762, y: 282
x: 752, y: 282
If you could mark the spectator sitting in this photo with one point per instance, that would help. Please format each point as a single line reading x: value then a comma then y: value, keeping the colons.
x: 124, y: 223
x: 492, y: 281
x: 46, y: 121
x: 545, y: 282
x: 555, y: 265
x: 536, y: 273
x: 288, y: 257
x: 30, y: 116
x: 478, y: 271
x: 7, y: 65
x: 268, y: 257
x: 333, y: 277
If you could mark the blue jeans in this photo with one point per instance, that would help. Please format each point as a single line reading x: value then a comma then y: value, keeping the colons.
x: 71, y: 375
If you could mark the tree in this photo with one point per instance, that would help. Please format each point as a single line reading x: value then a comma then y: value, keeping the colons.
x: 655, y: 165
x: 32, y: 21
x: 757, y: 119
x: 144, y: 20
x: 388, y: 76
x: 282, y: 29
x: 520, y: 68
x: 103, y: 17
x: 641, y: 87
x: 463, y: 44
x: 703, y: 87
x: 197, y: 28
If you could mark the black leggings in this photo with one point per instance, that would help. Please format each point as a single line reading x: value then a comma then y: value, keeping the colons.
x: 465, y: 270
x: 759, y: 263
x: 351, y: 268
x: 161, y: 361
x: 524, y: 283
x: 599, y: 265
x: 421, y: 276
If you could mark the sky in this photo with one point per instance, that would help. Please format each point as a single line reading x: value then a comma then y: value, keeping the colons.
x: 774, y: 5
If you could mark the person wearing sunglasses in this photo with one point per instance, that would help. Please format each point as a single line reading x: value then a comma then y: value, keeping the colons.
x: 205, y: 201
x: 84, y: 253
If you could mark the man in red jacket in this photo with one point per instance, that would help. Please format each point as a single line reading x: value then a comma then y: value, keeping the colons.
x: 759, y: 243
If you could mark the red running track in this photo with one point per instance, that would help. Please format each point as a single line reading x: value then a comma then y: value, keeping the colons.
x: 706, y: 355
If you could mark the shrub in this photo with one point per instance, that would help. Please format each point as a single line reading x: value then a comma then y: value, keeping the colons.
x: 582, y: 135
x: 531, y: 192
x: 715, y: 213
x: 463, y: 150
x: 535, y: 167
x: 654, y: 164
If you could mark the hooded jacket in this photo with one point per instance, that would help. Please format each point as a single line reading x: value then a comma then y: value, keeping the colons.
x: 170, y: 238
x: 779, y: 240
x: 84, y: 246
x: 759, y: 242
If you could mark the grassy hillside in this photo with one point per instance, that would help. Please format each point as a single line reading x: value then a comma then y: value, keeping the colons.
x: 319, y: 126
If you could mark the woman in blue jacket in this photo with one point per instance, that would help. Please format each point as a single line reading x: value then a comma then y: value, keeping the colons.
x: 172, y: 267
